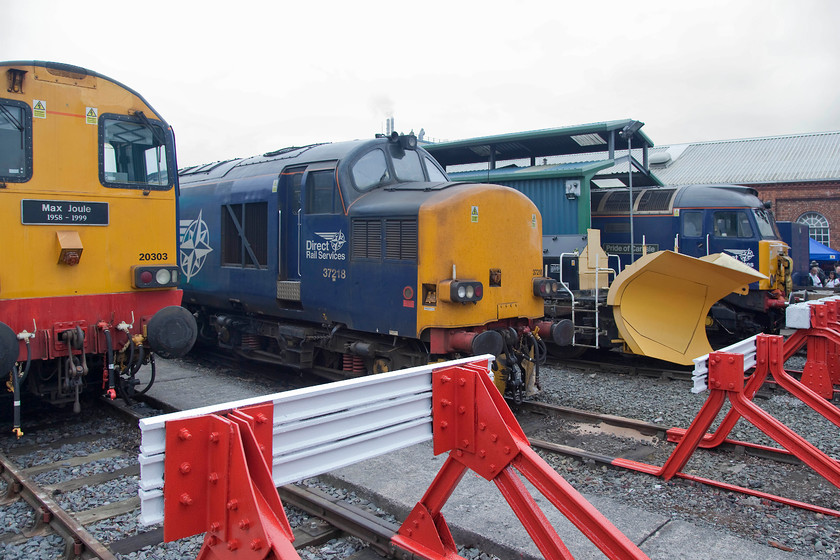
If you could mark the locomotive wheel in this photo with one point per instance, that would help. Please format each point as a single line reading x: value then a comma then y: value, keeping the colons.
x: 8, y: 348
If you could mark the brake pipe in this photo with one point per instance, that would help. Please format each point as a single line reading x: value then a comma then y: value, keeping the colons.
x: 108, y: 370
x: 18, y: 378
x: 141, y: 356
x: 26, y: 336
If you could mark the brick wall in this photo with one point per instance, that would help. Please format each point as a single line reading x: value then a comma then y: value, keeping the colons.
x: 791, y: 200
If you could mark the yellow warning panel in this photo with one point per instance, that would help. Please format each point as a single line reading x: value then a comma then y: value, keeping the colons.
x: 39, y: 109
x: 660, y: 302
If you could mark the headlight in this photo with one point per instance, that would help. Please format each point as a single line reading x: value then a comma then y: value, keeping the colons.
x: 154, y: 276
x: 461, y: 291
x: 545, y: 287
x: 162, y: 276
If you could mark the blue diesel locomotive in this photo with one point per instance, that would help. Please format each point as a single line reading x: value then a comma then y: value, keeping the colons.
x: 699, y: 220
x: 358, y: 257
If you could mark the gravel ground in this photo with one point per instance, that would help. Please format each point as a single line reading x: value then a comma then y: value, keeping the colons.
x: 671, y: 404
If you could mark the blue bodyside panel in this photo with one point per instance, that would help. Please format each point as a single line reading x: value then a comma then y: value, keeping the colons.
x: 202, y: 211
x: 364, y: 295
x: 660, y: 231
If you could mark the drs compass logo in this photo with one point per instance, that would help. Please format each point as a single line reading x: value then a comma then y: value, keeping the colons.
x: 194, y: 246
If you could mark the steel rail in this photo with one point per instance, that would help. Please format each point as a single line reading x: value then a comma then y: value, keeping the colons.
x: 616, y: 462
x: 80, y: 543
x: 367, y: 527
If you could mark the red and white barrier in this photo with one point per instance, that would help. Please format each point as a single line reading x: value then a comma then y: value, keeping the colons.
x: 215, y: 469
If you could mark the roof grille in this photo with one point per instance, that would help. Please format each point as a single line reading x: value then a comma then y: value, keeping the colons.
x: 656, y: 200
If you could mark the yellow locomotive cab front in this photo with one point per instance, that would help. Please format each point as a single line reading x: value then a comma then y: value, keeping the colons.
x: 468, y: 272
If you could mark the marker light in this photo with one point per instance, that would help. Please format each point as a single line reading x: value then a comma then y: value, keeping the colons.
x: 461, y: 291
x: 545, y: 287
x: 154, y: 276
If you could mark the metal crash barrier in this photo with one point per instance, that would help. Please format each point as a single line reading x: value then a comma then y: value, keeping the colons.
x: 723, y: 373
x: 817, y: 325
x: 221, y: 464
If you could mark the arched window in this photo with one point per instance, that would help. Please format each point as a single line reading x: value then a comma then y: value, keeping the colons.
x: 817, y: 226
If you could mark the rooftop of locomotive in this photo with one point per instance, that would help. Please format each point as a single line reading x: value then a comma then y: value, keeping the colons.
x: 615, y: 200
x: 275, y: 161
x: 69, y: 71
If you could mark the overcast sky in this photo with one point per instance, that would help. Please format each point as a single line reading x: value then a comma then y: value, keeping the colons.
x: 239, y: 78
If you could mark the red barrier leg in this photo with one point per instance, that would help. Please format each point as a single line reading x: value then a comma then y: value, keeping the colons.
x: 815, y: 373
x: 833, y: 353
x: 726, y: 380
x: 770, y: 355
x: 472, y: 422
x: 753, y: 384
x: 218, y: 480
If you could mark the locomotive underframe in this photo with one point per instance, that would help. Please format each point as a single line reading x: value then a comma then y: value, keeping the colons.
x: 332, y: 351
x: 329, y: 350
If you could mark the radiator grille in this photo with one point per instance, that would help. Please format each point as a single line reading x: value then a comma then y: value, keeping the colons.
x: 400, y: 239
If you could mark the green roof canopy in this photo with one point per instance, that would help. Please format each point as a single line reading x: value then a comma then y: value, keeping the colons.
x: 586, y: 138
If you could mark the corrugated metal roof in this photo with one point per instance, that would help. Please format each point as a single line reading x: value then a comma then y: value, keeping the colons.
x: 774, y: 159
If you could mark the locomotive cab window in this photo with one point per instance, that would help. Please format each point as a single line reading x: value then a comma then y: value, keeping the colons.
x: 692, y: 224
x: 133, y: 154
x: 732, y: 224
x: 435, y: 174
x: 371, y: 170
x: 322, y: 193
x: 15, y: 141
x: 406, y: 164
x: 766, y: 224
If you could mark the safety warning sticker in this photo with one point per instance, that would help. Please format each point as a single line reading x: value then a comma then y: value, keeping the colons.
x: 39, y: 108
x: 91, y: 115
x: 474, y: 214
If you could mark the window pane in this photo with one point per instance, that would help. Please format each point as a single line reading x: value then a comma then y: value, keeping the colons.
x: 744, y: 227
x: 433, y: 171
x: 321, y: 193
x: 407, y: 164
x: 766, y: 224
x: 370, y: 170
x: 692, y: 224
x: 231, y: 242
x: 134, y: 154
x: 817, y: 224
x: 256, y: 234
x: 12, y: 142
x: 250, y: 251
x: 726, y: 224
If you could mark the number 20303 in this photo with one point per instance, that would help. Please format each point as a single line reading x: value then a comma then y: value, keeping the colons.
x: 153, y: 256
